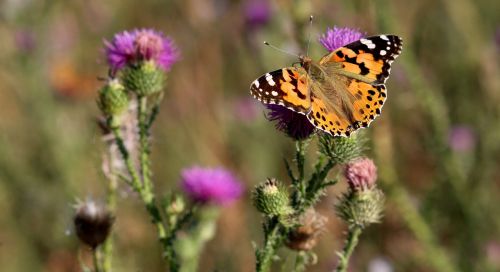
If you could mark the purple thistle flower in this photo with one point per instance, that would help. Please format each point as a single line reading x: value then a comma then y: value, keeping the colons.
x: 339, y: 36
x: 294, y: 124
x: 210, y: 185
x: 129, y: 47
x: 461, y: 138
x: 361, y: 174
x: 257, y: 13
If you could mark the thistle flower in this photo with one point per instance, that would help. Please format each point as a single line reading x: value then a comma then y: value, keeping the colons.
x: 304, y: 237
x: 461, y: 138
x: 363, y: 204
x: 361, y: 208
x: 132, y: 47
x: 113, y: 98
x: 361, y: 174
x: 93, y: 223
x: 294, y: 124
x: 271, y: 198
x: 339, y: 36
x: 256, y: 13
x: 210, y: 185
x: 341, y: 149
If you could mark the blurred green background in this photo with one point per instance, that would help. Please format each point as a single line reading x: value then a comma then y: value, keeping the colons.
x: 437, y: 142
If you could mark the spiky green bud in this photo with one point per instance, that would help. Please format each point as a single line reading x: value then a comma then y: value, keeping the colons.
x: 271, y: 198
x: 113, y: 98
x: 144, y: 79
x: 361, y: 208
x: 342, y: 149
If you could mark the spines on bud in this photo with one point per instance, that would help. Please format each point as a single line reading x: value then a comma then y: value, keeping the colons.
x: 113, y: 99
x: 145, y: 79
x: 361, y: 208
x: 272, y: 199
x: 342, y: 149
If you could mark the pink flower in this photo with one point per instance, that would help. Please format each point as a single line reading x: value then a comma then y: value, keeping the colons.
x: 339, y: 36
x: 129, y: 47
x: 361, y: 174
x: 210, y: 185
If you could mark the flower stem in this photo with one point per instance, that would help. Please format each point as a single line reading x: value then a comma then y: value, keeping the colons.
x: 143, y: 123
x: 351, y: 242
x: 136, y: 180
x: 95, y: 259
x: 148, y: 198
x: 272, y: 242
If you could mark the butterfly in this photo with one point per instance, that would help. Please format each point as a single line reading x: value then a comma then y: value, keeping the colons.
x: 343, y: 92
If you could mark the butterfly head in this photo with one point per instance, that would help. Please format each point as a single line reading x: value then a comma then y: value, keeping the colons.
x: 305, y: 62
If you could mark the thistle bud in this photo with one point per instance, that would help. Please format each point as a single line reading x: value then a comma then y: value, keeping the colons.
x: 304, y: 237
x: 361, y: 174
x: 145, y: 78
x: 271, y: 198
x: 93, y: 223
x: 342, y: 149
x: 361, y: 208
x: 113, y: 98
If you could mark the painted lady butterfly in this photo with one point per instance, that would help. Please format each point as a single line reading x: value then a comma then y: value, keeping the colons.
x: 341, y: 93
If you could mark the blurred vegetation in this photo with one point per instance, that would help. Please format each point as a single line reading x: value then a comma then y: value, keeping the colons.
x: 442, y: 198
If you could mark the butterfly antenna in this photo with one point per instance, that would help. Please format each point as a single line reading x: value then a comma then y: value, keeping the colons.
x: 281, y: 50
x: 309, y: 38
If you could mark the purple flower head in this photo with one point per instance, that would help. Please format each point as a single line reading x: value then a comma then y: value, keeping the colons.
x: 129, y: 47
x: 339, y: 36
x: 257, y: 12
x: 25, y: 41
x: 294, y: 124
x: 245, y: 109
x: 361, y: 174
x: 461, y: 138
x: 210, y: 185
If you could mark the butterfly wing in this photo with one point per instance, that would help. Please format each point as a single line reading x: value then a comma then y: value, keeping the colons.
x: 359, y: 71
x: 286, y: 87
x: 368, y: 59
x: 348, y: 115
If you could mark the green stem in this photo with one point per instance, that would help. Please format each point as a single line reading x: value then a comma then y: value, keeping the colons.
x: 148, y: 198
x: 107, y: 249
x: 95, y: 259
x: 351, y: 242
x: 271, y: 243
x: 136, y: 180
x: 143, y: 123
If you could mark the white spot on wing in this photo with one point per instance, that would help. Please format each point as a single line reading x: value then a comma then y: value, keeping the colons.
x: 270, y: 80
x: 384, y: 37
x: 383, y: 52
x: 274, y: 93
x: 256, y: 83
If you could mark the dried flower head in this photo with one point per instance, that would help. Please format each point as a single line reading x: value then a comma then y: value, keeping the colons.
x: 304, y: 237
x: 93, y: 223
x: 361, y: 174
x: 210, y: 185
x: 294, y: 124
x: 339, y: 36
x: 131, y: 47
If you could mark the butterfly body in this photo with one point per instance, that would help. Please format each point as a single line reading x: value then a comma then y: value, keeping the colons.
x: 342, y: 92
